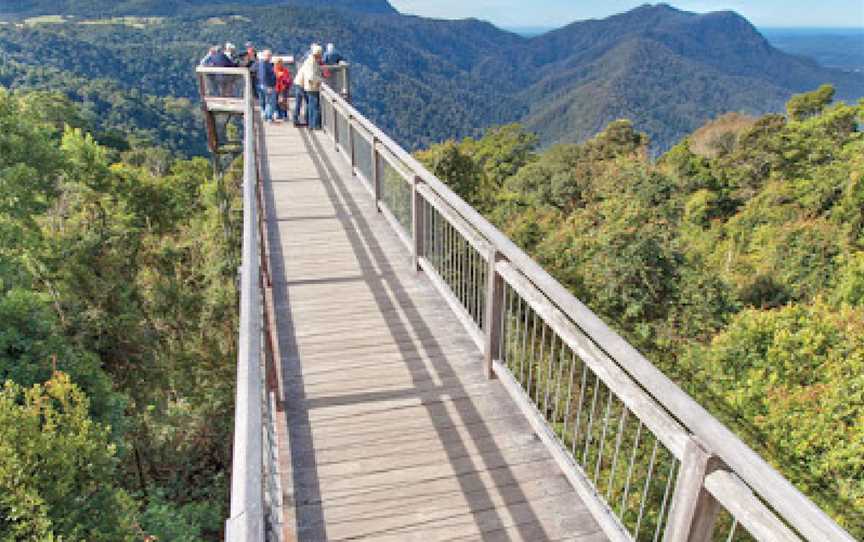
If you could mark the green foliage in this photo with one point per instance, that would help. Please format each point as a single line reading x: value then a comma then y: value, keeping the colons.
x: 850, y: 286
x: 739, y: 271
x: 809, y: 104
x: 797, y: 375
x: 164, y: 520
x: 121, y: 275
x: 57, y: 468
x: 477, y: 168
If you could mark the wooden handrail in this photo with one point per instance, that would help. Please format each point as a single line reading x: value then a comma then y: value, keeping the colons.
x: 246, y: 521
x: 786, y: 500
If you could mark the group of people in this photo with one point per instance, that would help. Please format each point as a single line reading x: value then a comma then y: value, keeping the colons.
x: 273, y: 80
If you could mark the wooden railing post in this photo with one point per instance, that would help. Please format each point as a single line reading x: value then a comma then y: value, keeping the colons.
x: 351, y: 143
x: 494, y: 313
x: 335, y: 125
x: 346, y: 84
x: 376, y: 174
x: 417, y: 212
x: 694, y: 510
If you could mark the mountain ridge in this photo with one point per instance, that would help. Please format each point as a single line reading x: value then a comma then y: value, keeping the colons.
x: 91, y: 8
x: 425, y: 80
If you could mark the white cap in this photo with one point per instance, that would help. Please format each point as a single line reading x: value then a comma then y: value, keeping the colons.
x: 316, y: 49
x: 229, y: 46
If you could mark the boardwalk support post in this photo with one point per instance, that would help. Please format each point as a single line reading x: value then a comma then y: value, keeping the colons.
x: 694, y: 510
x: 494, y: 315
x: 417, y: 231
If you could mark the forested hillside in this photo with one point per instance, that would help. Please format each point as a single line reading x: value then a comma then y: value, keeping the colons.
x: 117, y: 330
x: 735, y: 263
x: 115, y: 114
x: 426, y: 80
x: 111, y: 8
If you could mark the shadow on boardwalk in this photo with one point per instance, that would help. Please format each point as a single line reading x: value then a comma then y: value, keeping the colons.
x: 495, y: 501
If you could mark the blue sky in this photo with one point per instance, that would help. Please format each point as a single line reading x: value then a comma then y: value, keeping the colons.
x: 549, y: 13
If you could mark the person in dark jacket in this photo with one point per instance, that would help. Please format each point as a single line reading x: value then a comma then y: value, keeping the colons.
x: 222, y: 60
x: 225, y: 83
x: 267, y: 84
x: 208, y: 58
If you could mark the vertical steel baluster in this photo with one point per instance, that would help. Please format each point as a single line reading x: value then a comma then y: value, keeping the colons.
x: 591, y: 420
x: 463, y: 274
x: 662, y: 515
x: 603, y: 439
x: 447, y: 256
x: 549, y: 377
x: 513, y: 340
x: 475, y: 299
x: 569, y: 395
x: 618, y: 438
x: 505, y: 324
x: 578, y: 421
x: 439, y: 245
x: 732, y: 530
x: 645, y: 489
x: 460, y: 272
x: 533, y: 353
x: 630, y: 469
x: 457, y: 248
x: 524, y: 361
x: 558, y: 379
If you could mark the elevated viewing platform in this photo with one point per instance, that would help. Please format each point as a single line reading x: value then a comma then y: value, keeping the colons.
x: 407, y: 373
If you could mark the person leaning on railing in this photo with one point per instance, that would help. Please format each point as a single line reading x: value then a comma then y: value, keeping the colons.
x: 267, y: 84
x: 299, y: 97
x: 311, y: 77
x: 227, y: 84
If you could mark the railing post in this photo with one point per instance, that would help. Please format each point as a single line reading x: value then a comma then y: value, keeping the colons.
x: 351, y: 143
x: 417, y: 212
x: 376, y: 174
x: 346, y: 85
x: 335, y: 124
x: 494, y: 313
x: 694, y: 510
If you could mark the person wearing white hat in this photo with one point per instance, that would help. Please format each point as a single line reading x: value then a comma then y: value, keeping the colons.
x: 310, y: 77
x: 231, y: 52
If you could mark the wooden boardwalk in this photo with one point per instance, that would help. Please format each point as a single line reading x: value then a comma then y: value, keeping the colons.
x: 390, y: 431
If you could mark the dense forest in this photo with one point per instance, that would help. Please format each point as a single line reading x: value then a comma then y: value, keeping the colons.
x: 735, y: 262
x: 425, y: 80
x: 117, y: 330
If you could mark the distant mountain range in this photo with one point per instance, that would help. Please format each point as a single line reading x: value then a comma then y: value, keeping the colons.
x: 425, y: 80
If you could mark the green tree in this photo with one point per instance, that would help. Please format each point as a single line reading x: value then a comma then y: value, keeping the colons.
x: 57, y: 468
x: 809, y: 104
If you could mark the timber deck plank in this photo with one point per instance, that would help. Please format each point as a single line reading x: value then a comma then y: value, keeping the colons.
x: 392, y: 432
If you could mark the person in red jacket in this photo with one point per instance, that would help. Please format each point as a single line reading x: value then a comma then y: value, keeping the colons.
x: 283, y: 88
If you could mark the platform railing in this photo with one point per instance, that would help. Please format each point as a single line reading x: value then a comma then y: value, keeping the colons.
x: 255, y: 500
x: 647, y: 459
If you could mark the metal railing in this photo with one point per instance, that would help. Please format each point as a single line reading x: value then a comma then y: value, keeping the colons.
x: 648, y: 460
x: 255, y: 493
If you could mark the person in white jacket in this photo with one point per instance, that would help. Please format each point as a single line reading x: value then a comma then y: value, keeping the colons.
x: 310, y: 78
